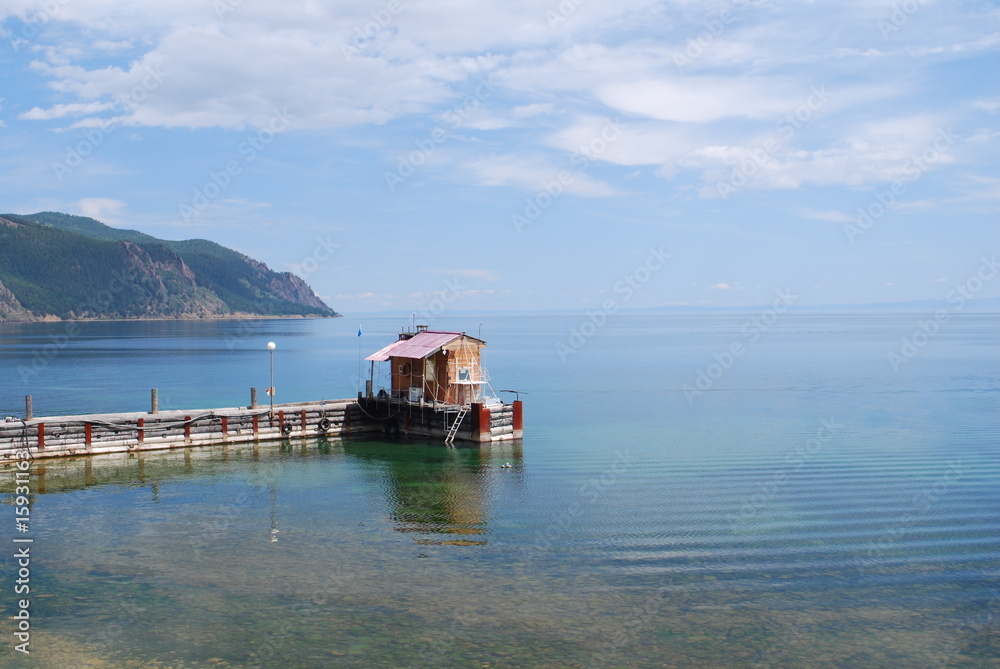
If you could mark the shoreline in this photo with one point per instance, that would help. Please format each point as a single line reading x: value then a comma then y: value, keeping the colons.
x: 227, y: 317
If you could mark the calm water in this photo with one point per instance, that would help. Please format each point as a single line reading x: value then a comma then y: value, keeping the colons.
x: 811, y: 507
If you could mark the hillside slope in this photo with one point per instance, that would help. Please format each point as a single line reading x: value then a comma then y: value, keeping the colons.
x: 60, y: 266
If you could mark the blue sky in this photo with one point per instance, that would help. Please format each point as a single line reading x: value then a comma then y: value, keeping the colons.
x: 525, y: 154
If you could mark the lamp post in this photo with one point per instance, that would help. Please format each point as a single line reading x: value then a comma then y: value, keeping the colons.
x: 270, y: 390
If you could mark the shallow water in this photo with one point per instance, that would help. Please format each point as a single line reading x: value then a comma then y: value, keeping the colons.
x: 812, y: 507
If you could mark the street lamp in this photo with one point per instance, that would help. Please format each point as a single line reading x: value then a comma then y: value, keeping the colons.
x: 270, y: 390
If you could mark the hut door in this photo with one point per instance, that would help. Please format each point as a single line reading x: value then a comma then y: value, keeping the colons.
x: 430, y: 380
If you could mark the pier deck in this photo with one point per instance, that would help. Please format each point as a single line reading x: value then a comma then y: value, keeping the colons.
x: 59, y: 436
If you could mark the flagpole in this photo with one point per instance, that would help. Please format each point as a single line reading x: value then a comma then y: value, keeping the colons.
x: 359, y: 359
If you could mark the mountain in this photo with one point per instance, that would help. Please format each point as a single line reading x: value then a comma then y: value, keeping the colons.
x: 58, y: 266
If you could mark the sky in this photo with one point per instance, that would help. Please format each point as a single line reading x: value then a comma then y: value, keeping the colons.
x: 526, y: 154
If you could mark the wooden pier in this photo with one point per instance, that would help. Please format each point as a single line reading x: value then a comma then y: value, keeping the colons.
x: 438, y: 390
x: 60, y: 436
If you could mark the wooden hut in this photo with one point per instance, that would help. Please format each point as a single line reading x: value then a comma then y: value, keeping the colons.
x: 434, y: 366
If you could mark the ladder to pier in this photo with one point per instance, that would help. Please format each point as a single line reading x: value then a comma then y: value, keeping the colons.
x: 453, y: 430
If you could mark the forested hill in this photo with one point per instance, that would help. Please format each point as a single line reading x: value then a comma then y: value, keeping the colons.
x: 71, y: 267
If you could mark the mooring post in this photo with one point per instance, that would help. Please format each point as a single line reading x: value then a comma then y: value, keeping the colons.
x: 154, y: 401
x: 27, y: 407
x: 480, y: 422
x: 253, y: 398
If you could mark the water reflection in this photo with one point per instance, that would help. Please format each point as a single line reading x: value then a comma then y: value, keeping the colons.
x: 429, y: 489
x: 434, y: 490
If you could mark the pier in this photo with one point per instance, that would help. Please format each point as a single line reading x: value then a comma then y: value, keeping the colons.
x: 436, y: 389
x: 61, y: 436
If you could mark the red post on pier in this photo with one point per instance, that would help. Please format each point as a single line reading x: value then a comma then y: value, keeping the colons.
x: 302, y: 417
x: 281, y: 422
x: 41, y: 436
x: 480, y: 423
x: 187, y: 427
x: 518, y: 420
x: 88, y: 434
x: 225, y: 425
x: 141, y: 426
x: 256, y: 424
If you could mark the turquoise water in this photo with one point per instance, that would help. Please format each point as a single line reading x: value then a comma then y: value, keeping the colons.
x: 811, y: 507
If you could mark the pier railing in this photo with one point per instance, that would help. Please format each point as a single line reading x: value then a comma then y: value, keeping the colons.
x: 110, y: 433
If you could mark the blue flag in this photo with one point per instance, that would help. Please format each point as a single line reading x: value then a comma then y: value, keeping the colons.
x: 359, y: 331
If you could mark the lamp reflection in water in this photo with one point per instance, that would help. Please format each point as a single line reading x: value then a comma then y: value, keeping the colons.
x: 273, y: 494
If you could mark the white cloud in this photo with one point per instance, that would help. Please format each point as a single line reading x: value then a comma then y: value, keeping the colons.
x: 111, y: 46
x: 487, y: 123
x: 62, y: 110
x: 637, y: 142
x: 536, y: 109
x: 531, y: 173
x: 699, y: 99
x: 333, y: 67
x: 720, y: 286
x: 485, y: 274
x: 103, y: 209
x: 878, y: 152
x: 991, y: 105
x: 830, y: 216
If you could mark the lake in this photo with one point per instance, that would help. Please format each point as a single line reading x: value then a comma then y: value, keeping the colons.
x: 693, y: 490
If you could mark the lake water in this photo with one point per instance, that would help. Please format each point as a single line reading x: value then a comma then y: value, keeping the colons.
x: 805, y: 505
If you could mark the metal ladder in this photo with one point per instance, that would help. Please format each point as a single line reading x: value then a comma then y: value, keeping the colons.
x: 453, y: 430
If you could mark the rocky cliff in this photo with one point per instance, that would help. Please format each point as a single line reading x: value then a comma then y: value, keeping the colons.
x: 60, y: 266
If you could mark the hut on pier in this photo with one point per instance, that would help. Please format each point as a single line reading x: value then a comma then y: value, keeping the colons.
x: 434, y: 366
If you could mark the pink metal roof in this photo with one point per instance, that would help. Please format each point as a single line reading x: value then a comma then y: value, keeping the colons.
x: 417, y: 347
